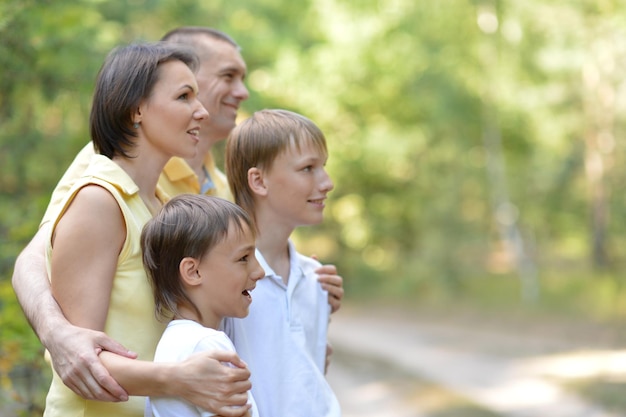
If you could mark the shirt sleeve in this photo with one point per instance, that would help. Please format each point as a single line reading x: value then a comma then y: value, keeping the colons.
x: 72, y: 174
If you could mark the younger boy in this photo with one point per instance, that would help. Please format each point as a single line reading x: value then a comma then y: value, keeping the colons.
x: 275, y: 162
x: 199, y: 255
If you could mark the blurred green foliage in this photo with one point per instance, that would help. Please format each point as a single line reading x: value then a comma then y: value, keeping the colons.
x: 472, y: 142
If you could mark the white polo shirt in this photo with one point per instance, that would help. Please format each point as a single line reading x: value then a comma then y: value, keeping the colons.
x: 283, y: 341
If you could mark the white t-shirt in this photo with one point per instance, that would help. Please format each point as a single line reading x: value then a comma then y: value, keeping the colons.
x: 283, y: 341
x: 181, y: 339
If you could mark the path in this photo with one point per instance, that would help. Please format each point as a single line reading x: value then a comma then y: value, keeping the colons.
x: 509, y: 375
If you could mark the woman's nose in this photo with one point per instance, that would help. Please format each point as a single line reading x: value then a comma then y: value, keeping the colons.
x: 201, y: 113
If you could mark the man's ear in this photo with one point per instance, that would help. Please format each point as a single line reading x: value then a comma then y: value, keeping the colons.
x: 256, y: 181
x: 188, y: 269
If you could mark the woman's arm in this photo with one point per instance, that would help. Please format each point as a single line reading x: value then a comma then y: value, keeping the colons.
x: 201, y: 379
x: 87, y: 241
x: 73, y: 349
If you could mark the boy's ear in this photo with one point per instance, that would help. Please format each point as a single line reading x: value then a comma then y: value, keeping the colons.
x: 188, y: 269
x: 256, y: 181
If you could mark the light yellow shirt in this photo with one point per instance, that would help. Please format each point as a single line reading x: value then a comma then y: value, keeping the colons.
x: 179, y: 178
x: 130, y: 319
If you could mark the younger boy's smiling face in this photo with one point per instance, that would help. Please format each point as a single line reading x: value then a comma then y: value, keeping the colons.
x: 229, y: 273
x: 297, y: 185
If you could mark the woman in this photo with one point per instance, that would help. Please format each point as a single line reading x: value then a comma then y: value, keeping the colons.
x: 145, y: 110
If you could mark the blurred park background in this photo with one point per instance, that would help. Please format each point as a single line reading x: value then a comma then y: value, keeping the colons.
x: 477, y: 147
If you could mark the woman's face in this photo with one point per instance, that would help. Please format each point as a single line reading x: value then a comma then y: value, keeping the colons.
x: 170, y: 117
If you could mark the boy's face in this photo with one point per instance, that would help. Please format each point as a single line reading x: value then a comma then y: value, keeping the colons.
x: 229, y: 273
x: 297, y: 186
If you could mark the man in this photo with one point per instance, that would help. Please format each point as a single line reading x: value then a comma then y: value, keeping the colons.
x: 74, y: 351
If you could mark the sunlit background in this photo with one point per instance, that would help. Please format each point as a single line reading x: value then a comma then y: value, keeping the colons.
x: 477, y: 150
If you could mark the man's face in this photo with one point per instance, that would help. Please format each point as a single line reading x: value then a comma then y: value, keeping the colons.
x: 221, y: 88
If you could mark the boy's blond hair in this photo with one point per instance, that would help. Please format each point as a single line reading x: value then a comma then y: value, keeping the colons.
x: 257, y: 141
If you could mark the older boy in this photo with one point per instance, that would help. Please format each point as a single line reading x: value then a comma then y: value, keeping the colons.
x: 275, y: 162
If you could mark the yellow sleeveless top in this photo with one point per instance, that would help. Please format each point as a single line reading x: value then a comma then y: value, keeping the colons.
x: 177, y: 178
x: 131, y: 320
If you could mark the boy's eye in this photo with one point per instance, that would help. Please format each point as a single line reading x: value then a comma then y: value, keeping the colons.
x: 244, y: 258
x: 184, y: 96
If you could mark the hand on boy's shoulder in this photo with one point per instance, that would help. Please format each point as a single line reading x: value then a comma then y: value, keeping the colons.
x: 331, y: 282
